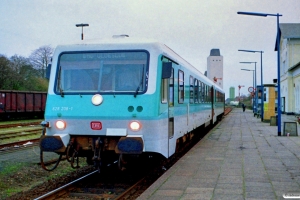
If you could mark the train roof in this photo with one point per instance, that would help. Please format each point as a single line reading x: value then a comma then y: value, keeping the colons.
x: 126, y: 43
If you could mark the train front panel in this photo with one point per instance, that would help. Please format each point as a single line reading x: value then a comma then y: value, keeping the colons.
x: 107, y: 96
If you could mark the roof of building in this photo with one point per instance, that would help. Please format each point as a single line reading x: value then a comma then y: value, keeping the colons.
x: 215, y: 52
x: 295, y: 66
x: 288, y: 30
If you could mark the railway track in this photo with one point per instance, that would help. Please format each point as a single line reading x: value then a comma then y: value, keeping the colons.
x: 110, y: 184
x: 15, y: 135
x: 20, y: 133
x: 13, y: 146
x: 92, y: 185
x: 16, y: 124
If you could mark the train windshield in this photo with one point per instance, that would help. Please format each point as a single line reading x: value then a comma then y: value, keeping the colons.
x: 104, y: 72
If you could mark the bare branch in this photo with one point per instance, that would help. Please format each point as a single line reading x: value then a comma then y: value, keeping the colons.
x: 40, y: 58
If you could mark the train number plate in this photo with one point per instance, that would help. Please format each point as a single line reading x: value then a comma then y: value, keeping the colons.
x: 95, y: 125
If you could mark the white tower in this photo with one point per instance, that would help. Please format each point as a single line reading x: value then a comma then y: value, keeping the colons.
x: 215, y: 67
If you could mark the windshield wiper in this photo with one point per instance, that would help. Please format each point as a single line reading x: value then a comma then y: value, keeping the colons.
x: 141, y: 82
x: 59, y: 83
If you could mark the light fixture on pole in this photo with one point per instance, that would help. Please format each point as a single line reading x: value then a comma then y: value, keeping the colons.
x: 261, y: 81
x: 253, y: 86
x: 278, y: 62
x: 240, y: 86
x: 81, y: 25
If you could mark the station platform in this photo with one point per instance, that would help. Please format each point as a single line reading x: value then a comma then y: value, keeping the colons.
x: 241, y: 158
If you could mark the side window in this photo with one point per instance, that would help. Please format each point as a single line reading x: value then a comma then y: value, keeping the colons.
x: 171, y: 88
x: 191, y: 89
x: 196, y: 89
x: 200, y: 92
x: 209, y: 94
x: 214, y: 96
x: 204, y: 93
x: 180, y: 86
x: 164, y: 90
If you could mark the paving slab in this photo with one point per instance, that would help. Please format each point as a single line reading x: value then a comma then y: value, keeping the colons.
x: 241, y: 158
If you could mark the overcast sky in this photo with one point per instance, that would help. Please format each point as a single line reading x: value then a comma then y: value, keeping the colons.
x: 190, y: 27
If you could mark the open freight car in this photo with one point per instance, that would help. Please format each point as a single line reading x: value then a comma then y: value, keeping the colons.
x: 21, y: 104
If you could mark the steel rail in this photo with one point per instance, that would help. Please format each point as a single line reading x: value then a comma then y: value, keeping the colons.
x: 20, y: 134
x: 12, y: 144
x: 19, y: 124
x: 121, y: 196
x: 49, y: 194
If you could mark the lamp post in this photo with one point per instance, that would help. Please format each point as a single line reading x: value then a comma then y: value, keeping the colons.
x: 81, y: 25
x: 261, y: 82
x: 278, y: 62
x: 253, y: 86
x: 240, y: 86
x: 256, y: 101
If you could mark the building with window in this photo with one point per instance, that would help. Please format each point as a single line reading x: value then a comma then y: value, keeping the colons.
x: 232, y: 93
x: 215, y: 67
x: 290, y: 67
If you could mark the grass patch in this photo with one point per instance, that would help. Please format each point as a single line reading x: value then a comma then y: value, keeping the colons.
x: 20, y: 129
x: 21, y: 138
x: 10, y: 168
x: 11, y: 191
x: 21, y: 121
x: 18, y: 177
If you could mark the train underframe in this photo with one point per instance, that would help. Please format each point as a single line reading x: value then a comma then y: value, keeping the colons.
x: 103, y: 150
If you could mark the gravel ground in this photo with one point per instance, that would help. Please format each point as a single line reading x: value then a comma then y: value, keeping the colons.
x: 23, y: 178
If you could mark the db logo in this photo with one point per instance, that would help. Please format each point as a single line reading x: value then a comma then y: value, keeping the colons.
x: 96, y: 125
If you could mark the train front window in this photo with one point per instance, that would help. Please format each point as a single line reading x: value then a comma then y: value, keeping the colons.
x: 104, y: 72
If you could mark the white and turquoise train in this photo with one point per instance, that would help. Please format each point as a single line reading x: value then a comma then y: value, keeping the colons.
x: 124, y: 97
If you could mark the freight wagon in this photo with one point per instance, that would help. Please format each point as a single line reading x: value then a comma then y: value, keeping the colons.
x: 20, y: 104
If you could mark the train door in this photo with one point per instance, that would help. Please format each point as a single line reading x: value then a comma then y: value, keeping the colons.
x: 168, y: 87
x: 171, y: 109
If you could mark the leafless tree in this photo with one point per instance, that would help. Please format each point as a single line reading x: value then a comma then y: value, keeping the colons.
x: 17, y: 62
x: 40, y: 58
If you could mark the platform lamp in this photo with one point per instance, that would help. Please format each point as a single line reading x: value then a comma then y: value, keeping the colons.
x: 253, y: 86
x: 240, y: 86
x: 278, y: 62
x: 81, y: 25
x: 261, y: 81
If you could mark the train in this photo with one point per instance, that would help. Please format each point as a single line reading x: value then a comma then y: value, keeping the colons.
x: 124, y: 97
x: 20, y: 104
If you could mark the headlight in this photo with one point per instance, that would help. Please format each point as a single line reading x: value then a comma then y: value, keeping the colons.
x: 97, y: 99
x: 135, y: 126
x: 61, y: 125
